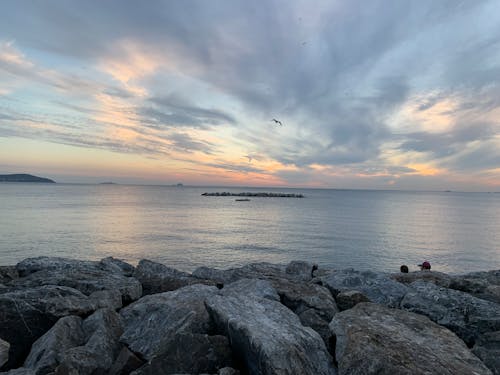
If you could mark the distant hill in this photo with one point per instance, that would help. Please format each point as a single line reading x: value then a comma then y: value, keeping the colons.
x: 23, y: 178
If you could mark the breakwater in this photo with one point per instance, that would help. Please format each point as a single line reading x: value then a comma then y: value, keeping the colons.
x: 67, y: 316
x: 249, y: 194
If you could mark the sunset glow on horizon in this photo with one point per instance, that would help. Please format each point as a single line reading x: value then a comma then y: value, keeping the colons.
x: 377, y: 95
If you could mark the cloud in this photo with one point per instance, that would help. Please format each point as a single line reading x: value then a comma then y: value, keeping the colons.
x: 366, y: 89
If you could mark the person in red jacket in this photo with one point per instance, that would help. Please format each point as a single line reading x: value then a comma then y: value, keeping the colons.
x: 425, y: 266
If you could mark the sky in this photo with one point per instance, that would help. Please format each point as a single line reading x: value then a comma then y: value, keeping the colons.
x: 389, y: 94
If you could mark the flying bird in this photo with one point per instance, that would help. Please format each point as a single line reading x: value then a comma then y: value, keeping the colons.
x: 277, y: 122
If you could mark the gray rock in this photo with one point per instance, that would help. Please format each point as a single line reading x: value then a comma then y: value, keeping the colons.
x: 102, y: 331
x: 374, y: 339
x: 20, y: 371
x: 27, y: 314
x: 378, y: 287
x: 250, y: 271
x: 251, y: 287
x: 151, y: 322
x: 158, y: 278
x: 438, y: 278
x: 4, y: 352
x: 460, y: 312
x: 192, y: 354
x: 301, y: 270
x: 46, y: 352
x: 7, y: 274
x: 268, y: 337
x: 111, y: 299
x: 125, y: 363
x: 487, y: 348
x: 313, y: 304
x: 348, y: 299
x: 228, y: 371
x: 85, y: 276
x: 485, y: 285
x: 123, y: 267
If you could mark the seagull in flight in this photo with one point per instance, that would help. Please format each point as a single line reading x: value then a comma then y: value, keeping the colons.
x: 277, y: 122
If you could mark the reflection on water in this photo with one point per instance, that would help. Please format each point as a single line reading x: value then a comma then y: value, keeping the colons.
x: 457, y: 232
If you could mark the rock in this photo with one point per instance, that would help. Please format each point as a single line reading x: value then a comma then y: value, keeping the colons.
x: 111, y: 299
x: 268, y: 337
x: 487, y: 348
x: 4, y: 352
x: 251, y: 287
x: 123, y: 267
x: 460, y: 312
x: 485, y: 285
x: 7, y: 274
x: 158, y: 278
x: 125, y: 363
x: 228, y: 371
x: 102, y: 331
x: 250, y: 271
x: 378, y: 287
x: 190, y: 353
x: 301, y: 270
x: 20, y: 371
x: 435, y: 277
x: 348, y: 299
x: 151, y: 322
x: 27, y: 314
x: 75, y: 346
x: 374, y: 339
x: 46, y: 352
x: 85, y: 276
x: 313, y: 304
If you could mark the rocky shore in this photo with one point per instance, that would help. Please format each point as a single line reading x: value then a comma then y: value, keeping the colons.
x: 62, y: 316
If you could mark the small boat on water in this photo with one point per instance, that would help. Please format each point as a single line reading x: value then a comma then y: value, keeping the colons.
x: 242, y: 200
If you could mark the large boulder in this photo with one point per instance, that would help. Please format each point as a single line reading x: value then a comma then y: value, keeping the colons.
x: 378, y: 287
x: 125, y: 363
x: 150, y: 324
x: 251, y: 287
x: 75, y: 346
x: 374, y: 339
x: 158, y: 278
x: 438, y: 278
x: 7, y: 274
x: 302, y: 271
x: 350, y: 298
x: 46, y: 352
x: 102, y: 331
x: 190, y: 353
x: 487, y: 348
x: 485, y: 285
x: 460, y: 312
x: 268, y: 337
x: 312, y: 303
x: 26, y: 314
x: 85, y: 276
x: 4, y: 352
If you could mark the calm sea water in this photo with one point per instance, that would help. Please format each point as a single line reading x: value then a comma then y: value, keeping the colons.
x: 456, y: 232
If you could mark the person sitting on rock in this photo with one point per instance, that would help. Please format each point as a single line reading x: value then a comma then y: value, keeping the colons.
x: 425, y: 266
x: 404, y: 268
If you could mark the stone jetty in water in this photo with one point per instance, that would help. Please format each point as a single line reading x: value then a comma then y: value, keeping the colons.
x: 65, y: 316
x: 249, y: 194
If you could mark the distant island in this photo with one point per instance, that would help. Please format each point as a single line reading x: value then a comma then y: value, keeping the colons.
x: 108, y: 183
x: 23, y: 177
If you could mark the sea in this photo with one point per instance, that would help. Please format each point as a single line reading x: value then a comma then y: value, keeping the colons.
x: 175, y: 225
